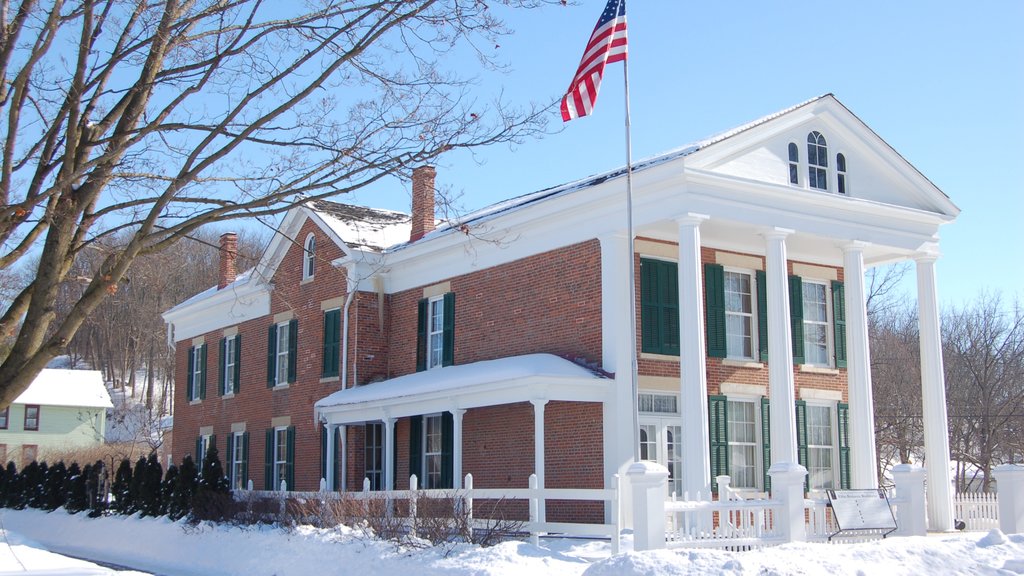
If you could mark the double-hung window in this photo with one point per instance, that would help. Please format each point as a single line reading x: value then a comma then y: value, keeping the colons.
x: 435, y: 343
x: 238, y: 460
x: 282, y: 353
x: 196, y: 385
x: 435, y: 333
x: 373, y: 455
x: 739, y: 315
x: 283, y: 346
x: 432, y: 448
x: 31, y: 417
x: 816, y: 324
x: 309, y: 257
x: 817, y: 161
x: 230, y: 367
x: 203, y: 443
x: 821, y: 451
x: 279, y: 458
x: 743, y: 443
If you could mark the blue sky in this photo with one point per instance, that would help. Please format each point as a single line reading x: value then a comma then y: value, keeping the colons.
x: 940, y: 81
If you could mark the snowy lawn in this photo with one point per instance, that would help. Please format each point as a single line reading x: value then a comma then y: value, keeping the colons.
x: 165, y: 547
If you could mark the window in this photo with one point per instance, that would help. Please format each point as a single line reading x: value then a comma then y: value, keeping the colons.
x: 196, y: 385
x: 658, y: 403
x: 739, y: 315
x: 332, y: 343
x: 4, y: 415
x: 815, y: 312
x: 279, y: 458
x: 31, y: 417
x: 230, y: 369
x: 820, y: 452
x: 373, y: 455
x: 432, y: 451
x: 841, y: 173
x: 282, y: 341
x: 238, y: 460
x: 203, y: 444
x: 743, y: 445
x: 817, y: 161
x: 29, y: 453
x: 659, y: 307
x: 309, y: 257
x: 660, y: 435
x: 3, y: 454
x: 436, y: 332
x: 794, y: 163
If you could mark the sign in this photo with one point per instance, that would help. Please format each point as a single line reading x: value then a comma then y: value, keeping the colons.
x: 856, y: 510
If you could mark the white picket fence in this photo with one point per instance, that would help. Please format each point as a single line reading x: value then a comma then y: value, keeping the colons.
x: 979, y: 511
x: 537, y: 525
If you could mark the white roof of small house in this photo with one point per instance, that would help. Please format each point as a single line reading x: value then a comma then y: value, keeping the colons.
x: 67, y: 388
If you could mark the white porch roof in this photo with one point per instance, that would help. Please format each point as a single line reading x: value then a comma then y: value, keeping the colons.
x: 485, y: 383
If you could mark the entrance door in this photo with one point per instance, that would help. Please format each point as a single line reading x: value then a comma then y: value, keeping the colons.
x: 660, y: 439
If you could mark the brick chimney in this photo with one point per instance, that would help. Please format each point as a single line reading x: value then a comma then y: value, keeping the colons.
x: 228, y: 255
x: 422, y: 202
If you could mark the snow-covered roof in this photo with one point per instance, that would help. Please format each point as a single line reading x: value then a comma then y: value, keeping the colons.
x: 67, y: 388
x: 453, y: 378
x: 361, y: 227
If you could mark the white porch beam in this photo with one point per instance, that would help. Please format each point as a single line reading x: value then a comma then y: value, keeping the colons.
x: 693, y: 384
x: 781, y: 386
x: 863, y: 459
x: 933, y: 397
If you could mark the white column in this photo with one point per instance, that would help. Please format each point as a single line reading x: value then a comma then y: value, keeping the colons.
x: 538, y: 450
x: 693, y: 384
x: 329, y: 449
x: 863, y: 459
x: 781, y: 387
x: 619, y: 433
x: 457, y: 447
x: 933, y: 398
x: 343, y: 434
x: 389, y: 456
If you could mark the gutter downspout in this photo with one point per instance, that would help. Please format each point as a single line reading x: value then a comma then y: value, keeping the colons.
x: 351, y: 285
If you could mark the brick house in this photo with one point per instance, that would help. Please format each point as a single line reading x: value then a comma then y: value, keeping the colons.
x: 368, y: 344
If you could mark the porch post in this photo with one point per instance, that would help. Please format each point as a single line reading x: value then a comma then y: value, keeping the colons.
x: 457, y: 414
x: 389, y: 456
x: 933, y: 395
x: 693, y: 384
x: 343, y: 435
x: 538, y: 452
x: 781, y: 386
x: 329, y: 464
x: 863, y: 461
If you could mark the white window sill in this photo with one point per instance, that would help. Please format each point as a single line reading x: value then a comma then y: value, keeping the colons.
x: 228, y: 395
x: 660, y: 357
x: 330, y: 379
x: 280, y: 386
x: 811, y: 369
x: 737, y: 363
x: 195, y: 402
x: 306, y: 280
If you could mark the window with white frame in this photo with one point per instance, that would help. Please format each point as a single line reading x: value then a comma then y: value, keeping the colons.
x: 660, y: 434
x: 228, y: 369
x: 373, y: 455
x: 817, y: 161
x: 236, y: 461
x: 816, y: 323
x: 283, y: 350
x: 196, y: 381
x: 31, y: 417
x: 743, y: 443
x: 820, y: 448
x: 280, y: 466
x: 739, y: 315
x: 841, y: 183
x: 432, y: 449
x: 309, y: 257
x: 649, y: 442
x: 794, y: 164
x: 435, y: 333
x: 202, y: 447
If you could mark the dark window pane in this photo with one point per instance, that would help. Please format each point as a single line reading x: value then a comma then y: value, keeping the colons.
x: 793, y: 175
x: 842, y: 183
x: 841, y: 162
x: 794, y: 152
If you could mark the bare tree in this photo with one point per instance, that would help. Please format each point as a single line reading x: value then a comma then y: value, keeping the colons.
x: 155, y: 118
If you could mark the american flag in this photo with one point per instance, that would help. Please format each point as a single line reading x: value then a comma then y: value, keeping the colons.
x: 607, y: 44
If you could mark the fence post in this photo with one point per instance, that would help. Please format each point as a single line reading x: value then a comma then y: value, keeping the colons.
x: 649, y: 483
x: 724, y: 493
x: 911, y: 510
x: 1010, y: 492
x: 788, y: 489
x: 534, y: 533
x: 284, y: 492
x: 468, y: 485
x: 414, y: 485
x: 616, y: 513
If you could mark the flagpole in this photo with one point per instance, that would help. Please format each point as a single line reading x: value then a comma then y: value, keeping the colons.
x: 632, y: 274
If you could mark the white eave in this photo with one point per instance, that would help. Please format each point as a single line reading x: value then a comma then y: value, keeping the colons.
x: 245, y: 299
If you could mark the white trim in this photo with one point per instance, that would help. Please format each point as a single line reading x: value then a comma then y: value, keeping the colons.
x: 752, y: 390
x: 817, y: 394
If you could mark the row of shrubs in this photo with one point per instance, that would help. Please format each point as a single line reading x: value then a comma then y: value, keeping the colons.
x: 182, y: 491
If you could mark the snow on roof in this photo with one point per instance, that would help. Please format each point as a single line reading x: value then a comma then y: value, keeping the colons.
x: 453, y: 377
x: 362, y: 227
x: 67, y: 388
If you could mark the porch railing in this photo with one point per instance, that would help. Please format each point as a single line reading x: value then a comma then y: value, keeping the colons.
x: 978, y: 510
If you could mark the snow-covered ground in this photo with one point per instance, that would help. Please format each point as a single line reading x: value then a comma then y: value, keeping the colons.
x: 163, y: 547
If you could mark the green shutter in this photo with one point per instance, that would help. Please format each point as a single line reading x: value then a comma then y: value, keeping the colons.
x: 718, y: 424
x: 229, y: 459
x: 796, y: 317
x: 293, y: 349
x: 271, y: 355
x: 659, y: 307
x: 416, y: 447
x: 268, y: 462
x: 394, y: 456
x: 221, y: 374
x: 448, y: 335
x: 422, y: 308
x: 191, y: 373
x: 762, y: 314
x: 323, y: 452
x: 714, y: 305
x: 766, y: 443
x: 447, y: 450
x: 801, y: 439
x: 289, y: 466
x: 839, y: 322
x: 199, y: 450
x: 202, y: 369
x: 238, y: 364
x: 245, y: 460
x: 332, y: 337
x: 843, y: 415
